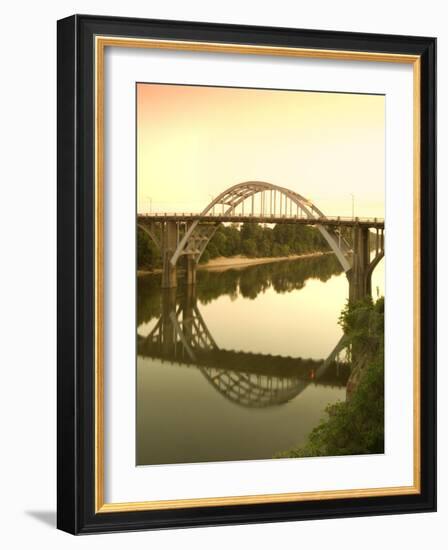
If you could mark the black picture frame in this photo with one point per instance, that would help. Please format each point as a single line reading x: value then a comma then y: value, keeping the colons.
x: 76, y: 286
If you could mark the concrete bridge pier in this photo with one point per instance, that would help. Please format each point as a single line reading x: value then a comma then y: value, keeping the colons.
x: 360, y: 275
x: 169, y: 245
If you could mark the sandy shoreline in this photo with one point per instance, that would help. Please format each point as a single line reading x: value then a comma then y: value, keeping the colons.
x: 238, y: 262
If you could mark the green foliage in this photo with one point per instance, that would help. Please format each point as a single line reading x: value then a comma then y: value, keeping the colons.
x: 249, y: 248
x: 363, y: 324
x: 251, y: 239
x: 205, y: 257
x: 148, y: 255
x: 355, y: 426
x: 256, y: 241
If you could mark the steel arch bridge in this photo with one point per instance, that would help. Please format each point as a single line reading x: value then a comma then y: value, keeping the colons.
x: 189, y: 234
x: 271, y: 198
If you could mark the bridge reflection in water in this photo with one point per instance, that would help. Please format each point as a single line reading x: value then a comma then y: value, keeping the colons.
x: 181, y: 336
x: 239, y: 366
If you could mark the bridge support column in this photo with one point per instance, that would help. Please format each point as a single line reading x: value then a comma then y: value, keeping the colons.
x: 191, y: 270
x: 359, y: 277
x: 169, y: 244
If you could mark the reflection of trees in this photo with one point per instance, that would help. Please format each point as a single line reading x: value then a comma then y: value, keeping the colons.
x: 284, y: 276
x: 211, y: 285
x: 148, y: 298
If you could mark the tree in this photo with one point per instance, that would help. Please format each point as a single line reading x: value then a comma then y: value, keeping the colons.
x: 250, y: 248
x: 355, y: 426
x: 148, y: 256
x: 211, y: 250
x: 205, y: 257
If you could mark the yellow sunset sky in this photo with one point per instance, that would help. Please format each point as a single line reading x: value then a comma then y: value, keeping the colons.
x: 193, y: 142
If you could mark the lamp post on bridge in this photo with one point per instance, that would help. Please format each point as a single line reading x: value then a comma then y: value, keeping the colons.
x: 150, y: 203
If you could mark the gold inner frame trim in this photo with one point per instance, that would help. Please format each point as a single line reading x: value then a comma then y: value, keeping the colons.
x: 101, y: 42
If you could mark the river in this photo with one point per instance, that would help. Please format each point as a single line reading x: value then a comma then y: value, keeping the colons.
x: 241, y: 366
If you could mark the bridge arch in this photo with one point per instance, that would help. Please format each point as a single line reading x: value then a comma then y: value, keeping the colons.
x: 198, y: 235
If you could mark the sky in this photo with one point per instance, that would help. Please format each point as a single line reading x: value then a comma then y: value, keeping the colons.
x: 193, y: 142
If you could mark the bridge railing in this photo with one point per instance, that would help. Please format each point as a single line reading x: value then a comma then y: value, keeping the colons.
x: 260, y: 215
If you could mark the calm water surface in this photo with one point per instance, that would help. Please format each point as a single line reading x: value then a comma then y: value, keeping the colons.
x: 243, y: 365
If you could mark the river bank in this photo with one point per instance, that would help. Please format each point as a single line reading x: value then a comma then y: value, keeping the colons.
x: 239, y: 262
x: 236, y: 262
x: 354, y: 426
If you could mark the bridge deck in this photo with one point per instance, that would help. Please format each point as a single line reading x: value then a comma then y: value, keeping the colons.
x: 334, y: 221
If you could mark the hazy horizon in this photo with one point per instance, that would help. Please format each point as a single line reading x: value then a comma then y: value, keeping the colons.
x: 193, y: 142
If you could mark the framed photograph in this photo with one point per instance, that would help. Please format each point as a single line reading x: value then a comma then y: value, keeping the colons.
x: 246, y: 274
